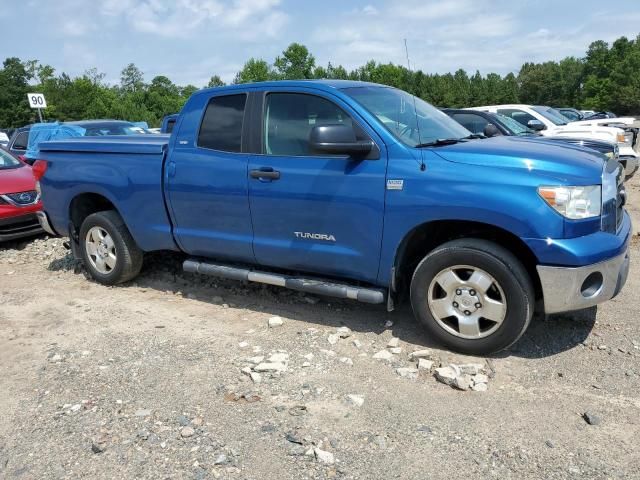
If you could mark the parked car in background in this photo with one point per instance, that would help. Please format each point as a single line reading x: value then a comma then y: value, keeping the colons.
x: 352, y: 190
x: 168, y: 123
x: 599, y: 115
x: 4, y: 139
x: 551, y: 123
x: 492, y: 124
x: 19, y: 200
x: 93, y: 128
x: 570, y: 113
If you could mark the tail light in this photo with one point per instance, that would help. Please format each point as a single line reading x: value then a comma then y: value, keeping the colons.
x: 39, y: 168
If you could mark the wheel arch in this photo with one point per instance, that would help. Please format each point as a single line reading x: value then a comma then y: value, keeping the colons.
x: 422, y: 239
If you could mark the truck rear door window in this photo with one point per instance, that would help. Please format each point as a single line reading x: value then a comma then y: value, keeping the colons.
x: 221, y: 127
x: 20, y: 143
x: 290, y: 117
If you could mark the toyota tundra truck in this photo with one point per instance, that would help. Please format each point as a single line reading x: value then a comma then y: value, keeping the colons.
x: 351, y: 190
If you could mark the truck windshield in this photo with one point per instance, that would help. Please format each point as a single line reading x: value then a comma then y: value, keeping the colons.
x: 552, y: 115
x: 515, y: 127
x: 419, y: 125
x: 7, y: 161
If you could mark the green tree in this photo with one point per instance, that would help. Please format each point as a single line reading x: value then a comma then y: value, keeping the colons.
x: 14, y: 86
x: 131, y: 78
x: 295, y: 63
x: 215, y: 81
x: 254, y: 70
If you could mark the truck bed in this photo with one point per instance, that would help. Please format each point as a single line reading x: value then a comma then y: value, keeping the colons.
x: 128, y: 171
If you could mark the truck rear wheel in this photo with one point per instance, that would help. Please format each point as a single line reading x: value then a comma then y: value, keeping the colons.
x: 473, y: 296
x: 108, y: 250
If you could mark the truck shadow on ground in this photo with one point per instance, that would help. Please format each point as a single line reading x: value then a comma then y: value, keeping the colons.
x: 546, y: 336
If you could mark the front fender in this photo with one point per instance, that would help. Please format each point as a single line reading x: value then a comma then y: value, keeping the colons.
x: 503, y: 198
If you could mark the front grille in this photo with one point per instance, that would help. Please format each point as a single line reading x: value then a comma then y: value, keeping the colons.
x: 620, y: 202
x: 613, y: 197
x: 21, y: 199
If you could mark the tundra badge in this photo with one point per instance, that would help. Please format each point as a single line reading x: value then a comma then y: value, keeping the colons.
x: 315, y: 236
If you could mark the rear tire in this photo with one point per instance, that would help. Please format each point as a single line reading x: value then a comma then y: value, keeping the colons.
x: 473, y: 295
x: 108, y: 250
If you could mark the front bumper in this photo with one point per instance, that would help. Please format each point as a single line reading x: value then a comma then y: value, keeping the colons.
x: 573, y: 288
x: 19, y: 226
x: 43, y: 219
x: 630, y: 164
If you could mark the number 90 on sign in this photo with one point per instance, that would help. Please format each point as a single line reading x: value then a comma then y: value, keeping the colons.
x: 36, y: 100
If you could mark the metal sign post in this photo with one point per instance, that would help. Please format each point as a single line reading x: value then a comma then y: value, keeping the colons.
x: 37, y: 101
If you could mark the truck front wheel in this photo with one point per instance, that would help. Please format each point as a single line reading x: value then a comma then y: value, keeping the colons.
x: 473, y: 296
x: 108, y: 250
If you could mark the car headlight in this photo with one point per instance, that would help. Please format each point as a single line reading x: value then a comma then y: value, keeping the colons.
x: 628, y: 137
x: 574, y: 202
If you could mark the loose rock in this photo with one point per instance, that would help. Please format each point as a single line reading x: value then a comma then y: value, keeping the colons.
x: 343, y: 332
x: 187, y: 432
x: 275, y: 322
x: 420, y: 354
x: 591, y: 419
x: 407, y: 372
x: 383, y: 355
x: 356, y: 400
x: 394, y: 342
x: 445, y: 375
x: 323, y: 456
x: 424, y: 364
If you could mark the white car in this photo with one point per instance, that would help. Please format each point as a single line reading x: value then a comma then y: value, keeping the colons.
x: 551, y: 123
x: 4, y: 140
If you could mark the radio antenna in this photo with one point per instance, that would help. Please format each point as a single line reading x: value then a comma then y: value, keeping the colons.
x: 423, y: 167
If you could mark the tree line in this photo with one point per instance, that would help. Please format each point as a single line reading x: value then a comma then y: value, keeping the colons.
x: 606, y: 78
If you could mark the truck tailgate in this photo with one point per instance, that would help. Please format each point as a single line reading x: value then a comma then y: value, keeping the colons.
x: 127, y: 171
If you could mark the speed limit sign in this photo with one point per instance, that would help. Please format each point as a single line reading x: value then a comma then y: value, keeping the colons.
x: 36, y: 100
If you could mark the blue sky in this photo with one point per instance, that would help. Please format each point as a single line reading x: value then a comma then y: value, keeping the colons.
x: 190, y: 40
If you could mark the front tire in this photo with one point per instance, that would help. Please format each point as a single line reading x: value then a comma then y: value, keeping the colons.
x: 473, y: 296
x: 108, y: 250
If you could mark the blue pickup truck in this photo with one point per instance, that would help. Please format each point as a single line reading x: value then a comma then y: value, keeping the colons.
x: 352, y: 190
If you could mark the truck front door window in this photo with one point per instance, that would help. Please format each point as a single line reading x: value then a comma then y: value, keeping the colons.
x: 290, y: 117
x: 221, y: 127
x: 472, y: 122
x: 519, y: 116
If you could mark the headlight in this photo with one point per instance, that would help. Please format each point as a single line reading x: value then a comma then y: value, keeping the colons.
x: 574, y: 202
x: 628, y: 138
x: 620, y: 138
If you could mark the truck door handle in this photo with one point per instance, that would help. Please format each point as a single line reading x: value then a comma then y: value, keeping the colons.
x: 267, y: 174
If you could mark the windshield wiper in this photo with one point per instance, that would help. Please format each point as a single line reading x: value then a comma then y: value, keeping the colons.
x: 440, y: 142
x: 473, y: 136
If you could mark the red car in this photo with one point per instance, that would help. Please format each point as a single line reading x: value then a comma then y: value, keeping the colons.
x: 19, y: 200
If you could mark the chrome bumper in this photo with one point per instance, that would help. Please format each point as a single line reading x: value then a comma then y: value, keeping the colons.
x: 44, y: 223
x: 566, y: 289
x: 630, y: 164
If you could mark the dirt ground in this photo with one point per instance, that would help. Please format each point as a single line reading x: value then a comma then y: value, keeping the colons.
x: 145, y: 381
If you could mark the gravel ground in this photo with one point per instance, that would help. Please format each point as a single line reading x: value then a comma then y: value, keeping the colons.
x: 159, y: 379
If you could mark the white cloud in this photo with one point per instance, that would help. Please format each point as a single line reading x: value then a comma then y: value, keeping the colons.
x: 183, y: 18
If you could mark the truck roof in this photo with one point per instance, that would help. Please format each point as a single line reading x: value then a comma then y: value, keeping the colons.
x: 322, y: 84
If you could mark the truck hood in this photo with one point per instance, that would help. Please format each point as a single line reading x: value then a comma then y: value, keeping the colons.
x: 15, y: 180
x: 564, y: 162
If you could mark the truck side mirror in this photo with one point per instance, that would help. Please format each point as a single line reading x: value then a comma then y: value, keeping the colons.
x: 536, y: 125
x: 490, y: 130
x: 338, y: 140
